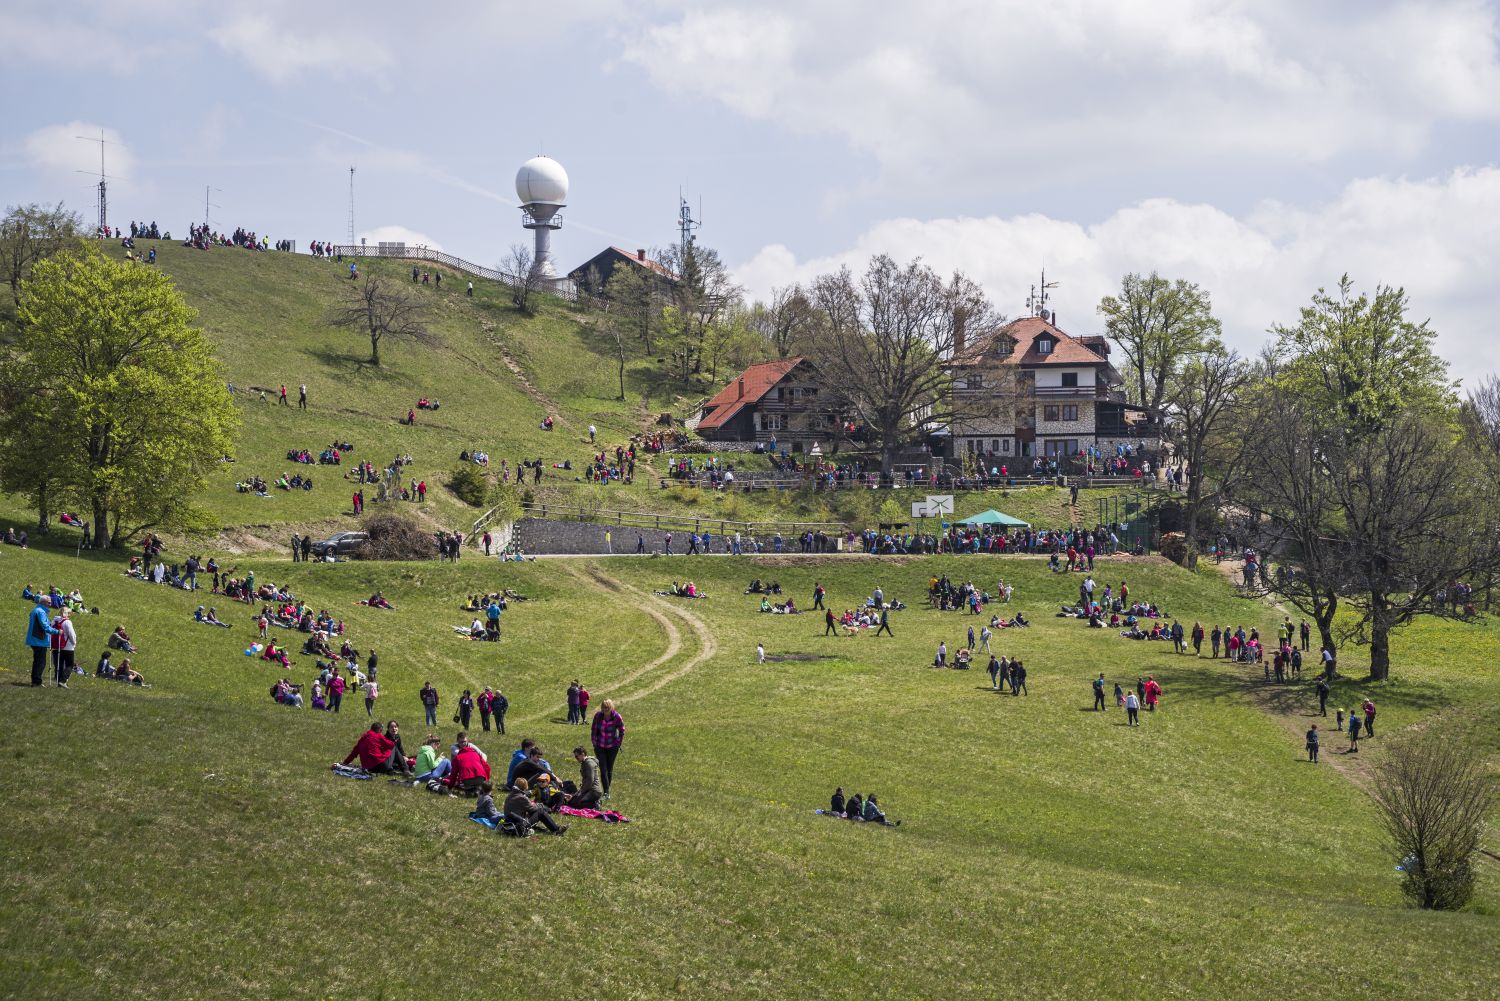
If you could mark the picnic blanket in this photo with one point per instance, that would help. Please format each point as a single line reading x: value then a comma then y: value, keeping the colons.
x: 351, y: 772
x: 588, y: 813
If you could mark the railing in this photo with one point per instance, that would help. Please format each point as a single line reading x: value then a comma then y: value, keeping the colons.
x: 563, y: 288
x: 672, y: 522
x: 1095, y: 392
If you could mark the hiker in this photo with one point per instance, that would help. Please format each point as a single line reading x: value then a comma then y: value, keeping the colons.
x: 1132, y: 709
x: 1322, y: 696
x: 1099, y: 693
x: 429, y: 697
x: 1312, y: 744
x: 39, y: 633
x: 608, y: 734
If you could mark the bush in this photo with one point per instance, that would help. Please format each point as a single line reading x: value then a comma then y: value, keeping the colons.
x: 396, y: 537
x: 1174, y: 547
x: 470, y: 484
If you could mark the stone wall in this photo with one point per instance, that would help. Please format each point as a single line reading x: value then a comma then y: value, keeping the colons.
x: 543, y: 537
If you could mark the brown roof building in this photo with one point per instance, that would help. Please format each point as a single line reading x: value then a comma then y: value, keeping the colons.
x: 596, y: 271
x: 776, y: 400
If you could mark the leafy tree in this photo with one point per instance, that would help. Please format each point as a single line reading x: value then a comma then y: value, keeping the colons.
x: 31, y: 233
x: 637, y: 296
x: 127, y: 394
x: 703, y: 292
x: 382, y: 308
x: 1159, y: 325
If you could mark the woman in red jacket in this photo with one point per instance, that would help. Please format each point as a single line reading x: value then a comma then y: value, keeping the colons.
x: 470, y: 767
x: 378, y: 753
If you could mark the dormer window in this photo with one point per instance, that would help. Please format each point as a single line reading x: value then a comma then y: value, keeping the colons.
x: 1044, y: 345
x: 1004, y: 347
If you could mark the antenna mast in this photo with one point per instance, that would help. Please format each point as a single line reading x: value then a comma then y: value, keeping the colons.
x: 351, y: 206
x: 1036, y: 302
x: 103, y: 186
x: 207, y: 204
x: 685, y: 221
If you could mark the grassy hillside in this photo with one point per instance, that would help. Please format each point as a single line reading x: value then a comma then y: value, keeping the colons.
x: 188, y: 840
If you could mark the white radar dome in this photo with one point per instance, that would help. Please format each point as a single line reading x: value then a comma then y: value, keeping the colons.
x: 542, y: 179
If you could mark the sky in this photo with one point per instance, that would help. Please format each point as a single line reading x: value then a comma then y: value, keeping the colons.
x: 1260, y: 149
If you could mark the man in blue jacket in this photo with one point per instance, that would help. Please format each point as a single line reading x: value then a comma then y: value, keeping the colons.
x: 39, y: 633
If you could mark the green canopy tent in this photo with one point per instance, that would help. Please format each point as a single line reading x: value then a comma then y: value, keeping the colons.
x: 993, y: 517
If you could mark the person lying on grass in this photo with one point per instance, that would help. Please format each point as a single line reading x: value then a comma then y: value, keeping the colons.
x: 377, y: 753
x: 377, y: 600
x: 208, y: 618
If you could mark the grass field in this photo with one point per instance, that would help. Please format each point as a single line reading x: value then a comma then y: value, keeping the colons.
x: 187, y: 840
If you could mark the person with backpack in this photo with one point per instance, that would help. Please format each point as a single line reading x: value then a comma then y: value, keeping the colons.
x: 1312, y: 744
x: 1099, y: 693
x: 1354, y: 722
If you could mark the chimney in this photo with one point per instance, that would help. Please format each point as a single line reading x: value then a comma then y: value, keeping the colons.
x: 640, y: 254
x: 742, y: 388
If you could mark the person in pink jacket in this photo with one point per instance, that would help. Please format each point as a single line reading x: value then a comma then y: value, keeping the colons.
x: 1153, y: 693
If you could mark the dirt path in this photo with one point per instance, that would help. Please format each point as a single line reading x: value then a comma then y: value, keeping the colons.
x: 549, y: 404
x: 708, y: 646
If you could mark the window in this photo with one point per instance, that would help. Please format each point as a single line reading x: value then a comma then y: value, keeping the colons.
x: 1070, y: 379
x: 1061, y: 448
x: 1044, y: 345
x: 1051, y: 412
x: 1070, y: 412
x: 994, y: 445
x: 772, y: 422
x: 1005, y: 446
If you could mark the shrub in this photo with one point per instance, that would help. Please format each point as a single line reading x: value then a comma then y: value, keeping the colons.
x: 470, y: 484
x: 396, y: 537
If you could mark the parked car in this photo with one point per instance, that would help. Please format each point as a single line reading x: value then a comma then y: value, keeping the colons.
x: 341, y: 544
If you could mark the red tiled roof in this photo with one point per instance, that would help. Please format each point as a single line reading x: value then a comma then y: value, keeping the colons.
x: 1068, y: 350
x: 756, y: 381
x: 648, y: 263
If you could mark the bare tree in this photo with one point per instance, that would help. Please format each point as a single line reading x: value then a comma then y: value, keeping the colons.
x: 382, y: 308
x: 1435, y: 795
x: 1481, y: 412
x: 525, y: 281
x: 785, y: 321
x: 1205, y: 404
x: 613, y: 331
x: 703, y: 292
x: 879, y: 343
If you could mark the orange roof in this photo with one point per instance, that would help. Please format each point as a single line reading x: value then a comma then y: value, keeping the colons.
x: 1068, y: 350
x: 753, y: 384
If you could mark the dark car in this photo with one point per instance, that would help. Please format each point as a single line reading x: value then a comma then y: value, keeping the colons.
x: 341, y: 544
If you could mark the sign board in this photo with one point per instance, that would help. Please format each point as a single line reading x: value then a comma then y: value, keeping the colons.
x: 919, y: 509
x: 939, y: 504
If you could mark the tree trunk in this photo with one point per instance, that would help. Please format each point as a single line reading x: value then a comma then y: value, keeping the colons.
x: 375, y: 349
x: 1380, y: 641
x: 43, y: 519
x: 102, y: 539
x: 622, y: 378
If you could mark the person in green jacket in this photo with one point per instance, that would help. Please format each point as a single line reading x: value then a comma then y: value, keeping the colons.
x: 589, y: 788
x: 431, y: 763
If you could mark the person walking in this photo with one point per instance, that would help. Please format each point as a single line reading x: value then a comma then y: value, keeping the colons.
x: 885, y: 624
x: 830, y: 625
x: 1322, y: 696
x: 1099, y: 693
x: 1018, y: 679
x: 607, y: 736
x: 1213, y: 642
x: 1132, y: 709
x: 372, y: 692
x: 640, y: 543
x: 429, y: 697
x: 486, y: 707
x: 336, y: 686
x: 1153, y: 693
x: 302, y: 397
x: 470, y: 290
x: 818, y: 593
x: 1312, y: 744
x: 984, y: 639
x: 994, y: 669
x: 1197, y: 639
x: 465, y: 709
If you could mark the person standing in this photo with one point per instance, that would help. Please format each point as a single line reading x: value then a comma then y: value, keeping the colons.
x: 1153, y: 693
x: 885, y: 623
x: 336, y: 686
x: 583, y: 704
x: 1197, y: 639
x: 302, y: 397
x: 607, y: 736
x: 1322, y: 696
x: 284, y: 403
x: 1312, y: 744
x: 994, y: 673
x: 1018, y: 679
x: 499, y: 704
x: 1354, y: 722
x: 1306, y: 635
x: 1213, y: 642
x: 486, y: 707
x: 465, y: 709
x: 372, y: 692
x: 640, y: 542
x: 372, y: 664
x: 818, y: 593
x: 1132, y: 709
x: 1369, y: 711
x: 68, y: 648
x: 1099, y: 693
x: 487, y: 534
x: 296, y: 548
x: 829, y: 623
x: 470, y: 291
x: 760, y: 653
x: 429, y: 697
x: 573, y: 703
x: 306, y: 547
x: 667, y: 546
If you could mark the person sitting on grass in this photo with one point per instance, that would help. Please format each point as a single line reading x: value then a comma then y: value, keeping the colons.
x: 522, y: 812
x: 377, y: 600
x: 377, y: 753
x: 432, y: 764
x: 590, y: 791
x: 875, y: 815
x: 533, y: 766
x: 469, y: 767
x: 120, y: 640
x: 105, y: 668
x: 836, y: 804
x: 128, y: 674
x: 485, y: 809
x: 855, y: 808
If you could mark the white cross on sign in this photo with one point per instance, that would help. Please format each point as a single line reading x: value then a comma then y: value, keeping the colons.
x: 939, y: 505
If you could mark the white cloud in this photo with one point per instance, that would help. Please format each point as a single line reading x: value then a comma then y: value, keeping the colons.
x: 398, y: 234
x: 58, y: 150
x: 951, y: 93
x: 1434, y: 237
x: 283, y: 52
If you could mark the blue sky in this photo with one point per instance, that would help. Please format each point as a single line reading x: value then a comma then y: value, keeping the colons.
x: 1260, y: 149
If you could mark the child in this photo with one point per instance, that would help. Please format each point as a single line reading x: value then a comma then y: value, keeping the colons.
x: 760, y: 653
x: 1119, y: 696
x: 1354, y: 722
x: 485, y: 808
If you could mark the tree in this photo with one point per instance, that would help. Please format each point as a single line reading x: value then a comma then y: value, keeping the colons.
x: 879, y: 344
x: 1435, y: 795
x: 638, y: 295
x: 1205, y: 403
x: 785, y: 321
x: 1481, y: 413
x: 1158, y: 324
x: 31, y: 233
x: 134, y: 405
x: 613, y: 332
x: 703, y: 292
x: 525, y: 281
x: 382, y: 308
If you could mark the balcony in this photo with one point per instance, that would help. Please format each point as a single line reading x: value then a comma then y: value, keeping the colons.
x: 1095, y: 392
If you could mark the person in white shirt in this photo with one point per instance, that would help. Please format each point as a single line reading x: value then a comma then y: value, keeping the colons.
x: 68, y: 650
x: 760, y: 653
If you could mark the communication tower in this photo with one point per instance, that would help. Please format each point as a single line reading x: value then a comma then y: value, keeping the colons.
x: 542, y: 187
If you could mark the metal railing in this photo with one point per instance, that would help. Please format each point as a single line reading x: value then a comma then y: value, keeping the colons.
x: 673, y: 522
x: 563, y: 288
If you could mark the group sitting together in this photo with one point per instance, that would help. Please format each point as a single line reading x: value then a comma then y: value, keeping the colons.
x: 123, y: 672
x: 866, y: 811
x: 14, y: 538
x: 476, y: 456
x: 209, y: 618
x: 788, y: 607
x: 687, y: 590
x: 296, y: 482
x: 756, y: 587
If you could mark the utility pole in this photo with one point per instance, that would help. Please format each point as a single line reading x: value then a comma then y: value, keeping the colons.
x: 685, y: 221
